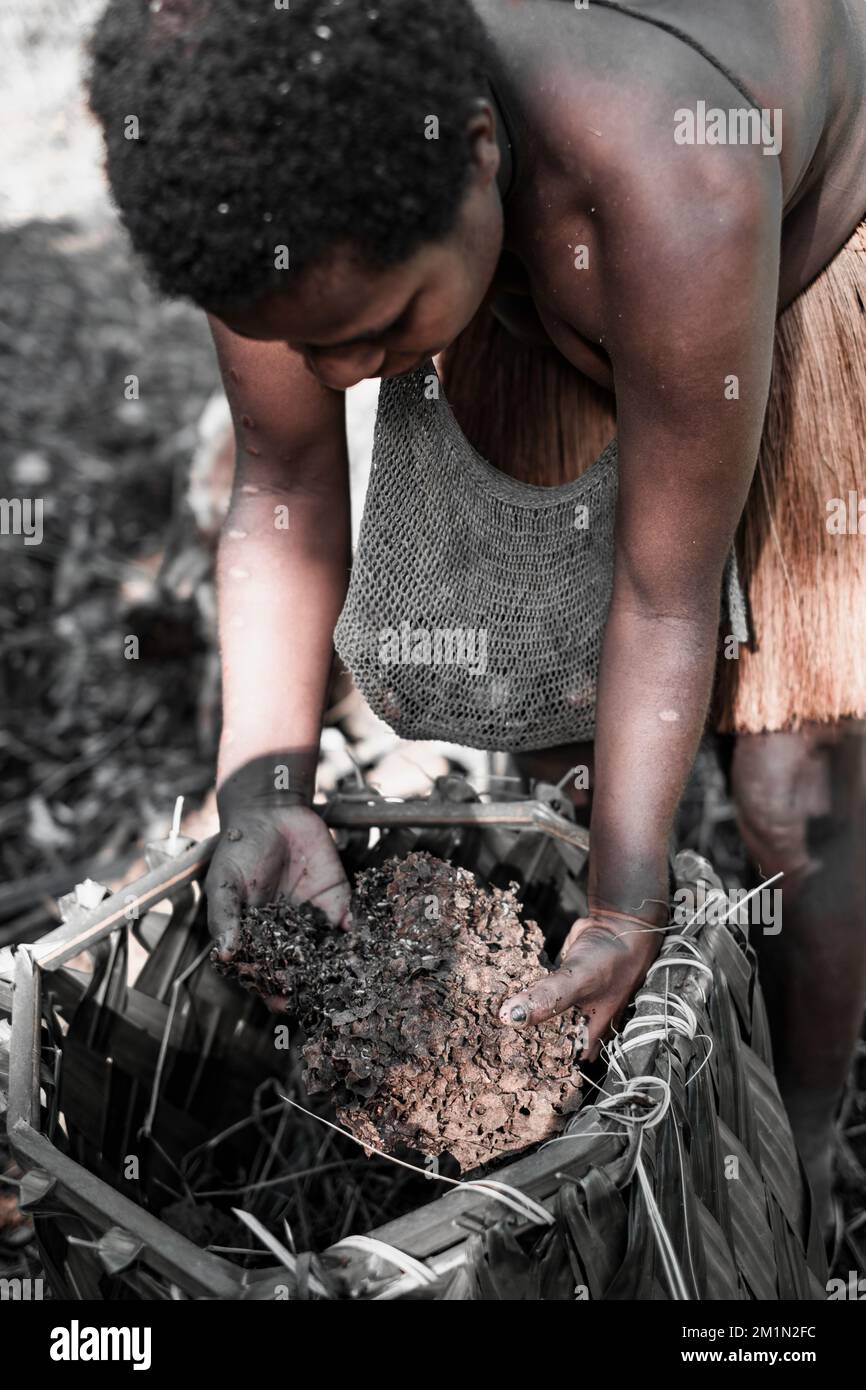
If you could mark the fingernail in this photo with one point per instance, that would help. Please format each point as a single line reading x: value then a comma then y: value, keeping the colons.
x: 519, y: 1014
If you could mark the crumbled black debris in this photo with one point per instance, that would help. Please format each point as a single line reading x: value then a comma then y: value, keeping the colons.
x: 401, y: 1013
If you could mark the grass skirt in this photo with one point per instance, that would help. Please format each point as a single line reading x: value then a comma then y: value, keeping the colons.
x: 801, y: 543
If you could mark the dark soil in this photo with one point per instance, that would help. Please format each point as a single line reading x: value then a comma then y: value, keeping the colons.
x: 401, y: 1013
x: 94, y: 747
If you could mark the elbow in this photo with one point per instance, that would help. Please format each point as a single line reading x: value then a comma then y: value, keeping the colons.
x: 673, y: 594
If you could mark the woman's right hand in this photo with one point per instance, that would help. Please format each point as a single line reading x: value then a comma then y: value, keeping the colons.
x: 267, y: 851
x: 282, y: 575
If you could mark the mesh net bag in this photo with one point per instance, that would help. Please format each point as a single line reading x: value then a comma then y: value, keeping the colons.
x: 477, y: 602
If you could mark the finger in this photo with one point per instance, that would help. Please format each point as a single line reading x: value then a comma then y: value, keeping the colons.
x: 254, y: 862
x: 239, y: 874
x: 617, y: 928
x: 562, y: 989
x: 602, y: 1023
x: 322, y: 882
x: 317, y: 877
x: 574, y: 933
x: 335, y: 902
x: 224, y: 898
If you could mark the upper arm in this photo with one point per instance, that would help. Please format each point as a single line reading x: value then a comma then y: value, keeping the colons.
x: 290, y: 430
x: 691, y: 295
x: 680, y: 291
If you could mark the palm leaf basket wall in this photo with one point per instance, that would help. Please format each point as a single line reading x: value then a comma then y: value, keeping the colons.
x: 680, y: 1180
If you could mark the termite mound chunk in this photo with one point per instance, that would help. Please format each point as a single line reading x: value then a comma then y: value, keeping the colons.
x: 401, y: 1013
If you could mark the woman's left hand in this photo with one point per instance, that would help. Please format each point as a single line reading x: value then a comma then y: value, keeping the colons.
x: 603, y: 961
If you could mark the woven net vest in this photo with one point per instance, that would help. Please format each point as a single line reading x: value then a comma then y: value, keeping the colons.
x: 477, y: 603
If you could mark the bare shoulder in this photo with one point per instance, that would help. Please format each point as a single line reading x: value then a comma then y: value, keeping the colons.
x: 801, y: 64
x: 762, y: 96
x: 626, y: 169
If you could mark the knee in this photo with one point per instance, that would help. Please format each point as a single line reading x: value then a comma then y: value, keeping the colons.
x: 779, y: 787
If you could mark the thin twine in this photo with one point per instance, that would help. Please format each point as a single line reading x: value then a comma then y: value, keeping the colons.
x: 285, y: 1257
x: 512, y: 1197
x: 519, y: 1202
x: 407, y: 1264
x: 684, y: 1024
x: 717, y: 893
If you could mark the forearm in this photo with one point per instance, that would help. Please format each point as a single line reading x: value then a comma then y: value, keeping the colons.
x: 280, y: 594
x: 654, y: 687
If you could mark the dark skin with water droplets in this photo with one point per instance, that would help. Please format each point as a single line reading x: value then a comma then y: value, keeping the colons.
x: 692, y: 251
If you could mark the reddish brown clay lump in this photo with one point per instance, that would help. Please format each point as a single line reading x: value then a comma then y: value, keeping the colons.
x: 400, y: 1013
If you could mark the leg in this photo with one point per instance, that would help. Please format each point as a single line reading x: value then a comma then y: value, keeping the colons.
x: 801, y: 808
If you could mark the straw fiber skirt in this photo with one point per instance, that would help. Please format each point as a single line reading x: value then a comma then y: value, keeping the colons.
x: 801, y: 543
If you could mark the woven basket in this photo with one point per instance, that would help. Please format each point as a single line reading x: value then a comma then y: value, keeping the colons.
x: 680, y: 1181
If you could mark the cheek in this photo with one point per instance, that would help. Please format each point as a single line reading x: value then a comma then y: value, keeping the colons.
x: 460, y: 303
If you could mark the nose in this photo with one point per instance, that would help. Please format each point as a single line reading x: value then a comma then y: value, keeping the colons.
x: 341, y: 368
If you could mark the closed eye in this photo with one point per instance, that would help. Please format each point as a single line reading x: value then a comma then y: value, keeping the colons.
x: 374, y: 335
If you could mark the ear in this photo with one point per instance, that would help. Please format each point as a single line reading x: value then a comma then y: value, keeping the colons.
x: 481, y: 133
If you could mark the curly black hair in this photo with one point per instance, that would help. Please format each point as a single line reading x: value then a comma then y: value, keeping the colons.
x: 235, y: 127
